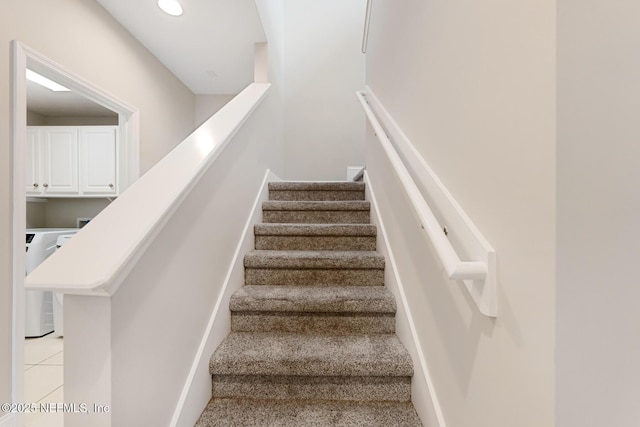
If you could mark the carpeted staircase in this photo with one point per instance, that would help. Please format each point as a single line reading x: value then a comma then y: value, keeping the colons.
x: 313, y: 330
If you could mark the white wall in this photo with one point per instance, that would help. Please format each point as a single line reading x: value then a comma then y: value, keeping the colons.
x: 35, y: 119
x: 83, y: 38
x: 315, y: 66
x: 472, y: 84
x: 598, y: 298
x: 64, y: 212
x: 272, y: 17
x: 323, y: 67
x: 207, y: 105
x: 36, y: 214
x: 80, y: 121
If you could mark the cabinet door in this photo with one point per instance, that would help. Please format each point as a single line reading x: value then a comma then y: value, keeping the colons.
x: 33, y: 183
x: 60, y: 160
x: 98, y: 160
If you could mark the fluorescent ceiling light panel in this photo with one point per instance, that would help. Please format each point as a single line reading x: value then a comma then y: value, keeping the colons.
x: 172, y: 7
x: 43, y: 81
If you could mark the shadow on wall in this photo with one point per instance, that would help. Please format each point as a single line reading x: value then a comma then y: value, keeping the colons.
x: 62, y: 212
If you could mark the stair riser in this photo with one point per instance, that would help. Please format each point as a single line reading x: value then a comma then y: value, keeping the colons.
x: 316, y: 217
x: 389, y: 389
x: 315, y: 195
x: 316, y: 243
x: 301, y: 413
x: 313, y: 323
x: 317, y: 277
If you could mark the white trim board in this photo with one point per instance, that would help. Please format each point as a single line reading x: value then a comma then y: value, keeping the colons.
x: 198, y: 384
x: 423, y: 393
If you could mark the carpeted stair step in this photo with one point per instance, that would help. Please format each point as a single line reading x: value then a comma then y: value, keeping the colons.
x: 339, y: 190
x: 322, y: 268
x: 314, y: 212
x: 294, y: 413
x: 266, y: 353
x: 303, y: 366
x: 332, y: 310
x: 315, y: 237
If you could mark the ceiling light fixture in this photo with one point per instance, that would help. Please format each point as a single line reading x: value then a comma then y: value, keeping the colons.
x: 43, y: 81
x: 171, y: 7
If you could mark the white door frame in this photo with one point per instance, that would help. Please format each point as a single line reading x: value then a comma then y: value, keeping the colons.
x: 128, y: 117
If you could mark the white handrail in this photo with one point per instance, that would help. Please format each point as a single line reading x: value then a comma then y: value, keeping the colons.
x: 365, y: 31
x: 455, y: 268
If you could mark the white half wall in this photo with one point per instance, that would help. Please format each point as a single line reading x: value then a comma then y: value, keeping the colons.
x: 197, y: 390
x: 161, y: 311
x: 598, y: 218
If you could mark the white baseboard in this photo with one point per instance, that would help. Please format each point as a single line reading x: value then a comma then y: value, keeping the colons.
x: 423, y: 393
x: 8, y: 420
x: 197, y: 389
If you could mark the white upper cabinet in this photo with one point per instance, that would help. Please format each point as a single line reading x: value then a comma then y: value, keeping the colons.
x: 72, y: 161
x: 60, y: 160
x: 98, y: 160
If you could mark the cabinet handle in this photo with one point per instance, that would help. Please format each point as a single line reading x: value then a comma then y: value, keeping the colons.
x: 45, y: 185
x: 35, y: 185
x: 111, y: 185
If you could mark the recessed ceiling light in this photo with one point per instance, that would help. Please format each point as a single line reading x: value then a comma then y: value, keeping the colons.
x: 172, y: 7
x: 43, y: 81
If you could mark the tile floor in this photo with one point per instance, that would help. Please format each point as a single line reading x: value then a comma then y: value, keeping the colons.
x: 43, y: 378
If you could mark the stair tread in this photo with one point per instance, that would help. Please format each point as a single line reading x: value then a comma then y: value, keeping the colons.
x: 269, y: 353
x: 316, y: 186
x: 313, y: 299
x: 283, y: 229
x: 283, y: 413
x: 313, y: 259
x: 331, y: 205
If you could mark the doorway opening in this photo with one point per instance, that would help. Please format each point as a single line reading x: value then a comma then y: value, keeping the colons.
x: 124, y: 116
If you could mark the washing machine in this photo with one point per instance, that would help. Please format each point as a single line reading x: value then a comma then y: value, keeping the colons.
x: 40, y: 243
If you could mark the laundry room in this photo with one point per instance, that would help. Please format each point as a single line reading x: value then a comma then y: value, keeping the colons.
x: 72, y: 174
